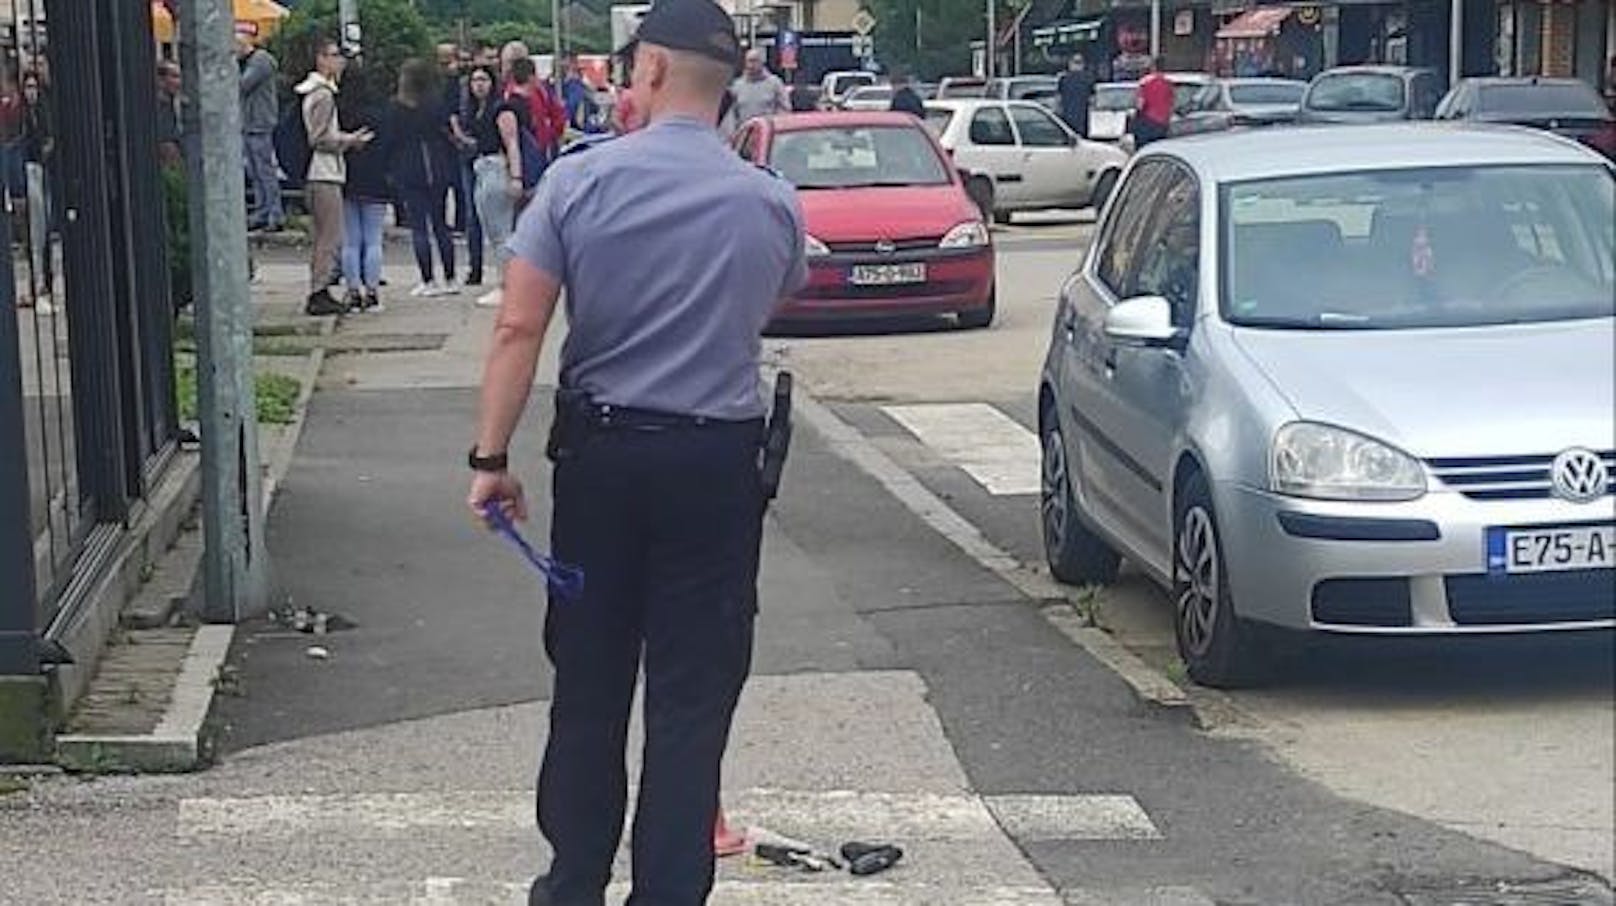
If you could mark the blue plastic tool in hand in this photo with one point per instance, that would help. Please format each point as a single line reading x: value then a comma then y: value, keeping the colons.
x: 564, y: 580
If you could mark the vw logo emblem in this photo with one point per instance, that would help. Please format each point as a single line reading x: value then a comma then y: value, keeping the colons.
x: 885, y: 247
x: 1579, y: 476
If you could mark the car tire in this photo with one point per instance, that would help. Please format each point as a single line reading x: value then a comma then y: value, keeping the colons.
x: 1218, y: 647
x: 978, y: 318
x: 1102, y: 191
x: 1076, y: 555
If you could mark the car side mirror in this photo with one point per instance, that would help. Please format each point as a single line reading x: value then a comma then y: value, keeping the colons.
x: 1143, y: 321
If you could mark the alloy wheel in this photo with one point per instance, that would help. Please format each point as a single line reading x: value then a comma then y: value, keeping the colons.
x: 1056, y: 495
x: 1197, y: 587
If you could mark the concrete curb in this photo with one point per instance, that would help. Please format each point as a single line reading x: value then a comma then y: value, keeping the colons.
x: 179, y: 742
x: 280, y: 459
x: 1150, y: 685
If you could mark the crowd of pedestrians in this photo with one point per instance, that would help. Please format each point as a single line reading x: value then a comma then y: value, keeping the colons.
x: 454, y: 146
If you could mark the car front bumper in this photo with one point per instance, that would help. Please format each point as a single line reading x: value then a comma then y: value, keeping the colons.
x: 1418, y: 567
x: 956, y: 282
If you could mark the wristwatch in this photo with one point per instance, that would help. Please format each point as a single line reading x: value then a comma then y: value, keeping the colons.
x: 497, y: 462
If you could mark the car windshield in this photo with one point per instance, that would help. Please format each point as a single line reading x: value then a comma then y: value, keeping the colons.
x: 1188, y: 95
x: 873, y: 93
x: 1115, y: 97
x: 842, y: 84
x: 856, y: 156
x: 937, y: 120
x: 967, y: 88
x: 1560, y: 99
x: 1030, y: 89
x: 1428, y: 247
x: 1266, y: 93
x: 1357, y: 91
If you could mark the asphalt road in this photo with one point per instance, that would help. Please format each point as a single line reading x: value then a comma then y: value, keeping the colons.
x: 903, y: 687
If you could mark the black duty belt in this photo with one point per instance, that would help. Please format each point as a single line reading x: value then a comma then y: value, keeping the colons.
x: 605, y: 417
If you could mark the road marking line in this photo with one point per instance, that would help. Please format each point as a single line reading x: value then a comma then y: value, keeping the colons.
x: 1073, y: 817
x: 988, y: 445
x: 1150, y: 684
x: 847, y: 813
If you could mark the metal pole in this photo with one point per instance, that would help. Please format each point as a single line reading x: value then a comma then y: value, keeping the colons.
x: 987, y: 58
x: 352, y: 34
x: 232, y: 520
x: 1456, y: 43
x: 1155, y: 29
x: 555, y: 40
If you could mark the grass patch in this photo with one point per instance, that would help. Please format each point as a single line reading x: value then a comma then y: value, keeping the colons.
x: 10, y: 784
x: 276, y: 395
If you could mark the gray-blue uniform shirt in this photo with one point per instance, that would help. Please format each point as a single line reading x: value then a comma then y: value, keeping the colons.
x: 674, y: 253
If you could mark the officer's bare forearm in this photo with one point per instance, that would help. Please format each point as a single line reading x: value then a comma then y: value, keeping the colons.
x: 519, y: 329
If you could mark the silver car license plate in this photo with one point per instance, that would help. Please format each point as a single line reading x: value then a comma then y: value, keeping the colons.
x: 1555, y: 548
x: 887, y: 274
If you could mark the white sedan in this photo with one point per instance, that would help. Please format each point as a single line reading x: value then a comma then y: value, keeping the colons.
x: 1031, y: 159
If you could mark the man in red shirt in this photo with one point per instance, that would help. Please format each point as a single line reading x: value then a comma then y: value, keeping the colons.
x: 1155, y: 110
x: 547, y: 113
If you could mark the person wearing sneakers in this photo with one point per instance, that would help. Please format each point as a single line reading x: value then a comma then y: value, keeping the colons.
x: 424, y: 169
x: 499, y: 128
x: 673, y: 253
x: 366, y: 196
x: 328, y: 170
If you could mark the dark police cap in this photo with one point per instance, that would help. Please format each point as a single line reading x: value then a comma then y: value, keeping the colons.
x: 697, y: 26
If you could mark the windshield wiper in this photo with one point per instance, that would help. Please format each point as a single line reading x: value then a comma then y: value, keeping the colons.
x: 1328, y: 320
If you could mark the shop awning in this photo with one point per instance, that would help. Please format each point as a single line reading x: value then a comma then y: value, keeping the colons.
x: 255, y: 18
x: 1262, y: 22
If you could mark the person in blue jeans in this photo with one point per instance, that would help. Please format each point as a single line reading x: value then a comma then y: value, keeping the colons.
x: 424, y: 166
x: 366, y: 197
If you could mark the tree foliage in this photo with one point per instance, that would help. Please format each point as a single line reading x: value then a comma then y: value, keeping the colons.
x: 942, y: 45
x: 393, y: 32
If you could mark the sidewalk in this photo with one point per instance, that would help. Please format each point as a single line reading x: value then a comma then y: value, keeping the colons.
x: 414, y: 745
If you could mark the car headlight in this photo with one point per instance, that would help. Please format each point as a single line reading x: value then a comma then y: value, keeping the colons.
x: 968, y: 235
x: 814, y: 248
x: 1329, y: 463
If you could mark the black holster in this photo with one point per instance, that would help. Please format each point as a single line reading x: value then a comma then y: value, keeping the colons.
x: 570, y: 425
x: 776, y: 438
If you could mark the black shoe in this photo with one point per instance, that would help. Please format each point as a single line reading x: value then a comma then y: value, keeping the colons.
x: 475, y: 278
x: 371, y: 304
x: 353, y: 301
x: 321, y: 304
x: 870, y: 858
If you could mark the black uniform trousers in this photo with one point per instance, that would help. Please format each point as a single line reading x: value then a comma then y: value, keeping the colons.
x: 666, y: 522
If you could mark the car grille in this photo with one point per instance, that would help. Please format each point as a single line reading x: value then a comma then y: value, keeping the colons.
x: 1482, y: 600
x: 1363, y: 602
x: 1502, y: 477
x: 895, y: 291
x: 897, y: 245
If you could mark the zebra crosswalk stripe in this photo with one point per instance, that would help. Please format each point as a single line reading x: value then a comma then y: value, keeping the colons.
x: 988, y: 445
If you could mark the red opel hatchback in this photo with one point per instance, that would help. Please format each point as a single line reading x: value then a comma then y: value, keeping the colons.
x: 891, y: 231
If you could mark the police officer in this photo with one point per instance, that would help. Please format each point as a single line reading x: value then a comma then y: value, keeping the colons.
x: 673, y: 253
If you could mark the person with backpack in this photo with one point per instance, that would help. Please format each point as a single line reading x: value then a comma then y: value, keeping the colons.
x: 545, y: 111
x: 324, y: 146
x: 508, y: 159
x: 424, y: 169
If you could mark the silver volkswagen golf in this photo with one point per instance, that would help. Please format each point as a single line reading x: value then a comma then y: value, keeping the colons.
x: 1354, y: 381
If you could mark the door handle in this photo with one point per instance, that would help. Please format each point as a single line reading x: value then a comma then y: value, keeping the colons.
x: 1110, y: 361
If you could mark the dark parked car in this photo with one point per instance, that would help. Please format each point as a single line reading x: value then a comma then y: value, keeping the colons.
x: 1567, y: 107
x: 1371, y: 94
